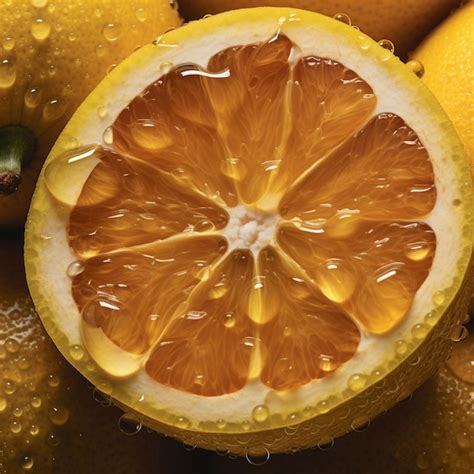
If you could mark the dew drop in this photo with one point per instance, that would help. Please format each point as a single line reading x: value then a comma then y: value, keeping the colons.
x: 229, y: 320
x: 51, y: 69
x: 53, y: 440
x: 32, y: 98
x: 182, y: 423
x: 336, y: 280
x: 36, y: 401
x: 8, y: 43
x: 326, y: 444
x: 27, y: 463
x: 100, y: 50
x: 420, y: 331
x: 75, y: 269
x: 418, y: 251
x: 260, y: 413
x: 102, y: 112
x: 257, y: 458
x: 3, y: 404
x: 108, y: 136
x: 129, y: 424
x: 53, y: 380
x: 357, y: 382
x: 141, y: 14
x: 360, y: 423
x: 76, y: 352
x: 343, y: 18
x: 101, y: 398
x: 112, y: 31
x: 204, y: 226
x: 17, y: 412
x: 416, y: 67
x: 7, y: 73
x: 9, y: 387
x: 387, y: 44
x: 59, y: 415
x: 54, y: 109
x: 439, y: 298
x: 34, y: 430
x: 72, y: 36
x: 326, y: 363
x: 15, y: 427
x: 12, y: 345
x: 401, y: 347
x: 40, y: 29
x: 459, y: 334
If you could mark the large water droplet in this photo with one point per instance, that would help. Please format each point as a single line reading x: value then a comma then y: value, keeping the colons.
x: 112, y: 31
x: 257, y: 457
x: 343, y: 18
x: 7, y: 73
x: 129, y: 424
x: 40, y: 29
x: 32, y: 97
x: 8, y: 43
x: 260, y: 413
x: 416, y: 67
x: 59, y: 415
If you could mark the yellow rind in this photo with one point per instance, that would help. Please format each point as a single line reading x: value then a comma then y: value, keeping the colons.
x: 403, y: 373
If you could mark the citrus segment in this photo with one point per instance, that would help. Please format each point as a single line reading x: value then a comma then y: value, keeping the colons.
x: 128, y: 202
x: 308, y: 337
x: 131, y: 295
x: 373, y: 274
x: 382, y: 172
x: 208, y: 347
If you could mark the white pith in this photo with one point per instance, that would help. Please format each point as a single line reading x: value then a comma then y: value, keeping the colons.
x: 445, y: 220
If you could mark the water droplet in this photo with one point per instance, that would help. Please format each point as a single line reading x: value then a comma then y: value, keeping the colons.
x: 343, y: 18
x: 326, y: 444
x: 53, y: 440
x: 182, y: 423
x: 257, y: 457
x: 9, y: 387
x: 75, y: 269
x: 8, y: 43
x: 401, y: 347
x: 102, y: 112
x: 53, y: 380
x: 387, y: 44
x: 34, y: 430
x: 360, y: 423
x: 39, y: 3
x: 260, y: 413
x: 108, y: 136
x: 141, y: 14
x: 17, y: 412
x: 422, y: 461
x: 326, y: 363
x: 439, y: 298
x: 420, y: 331
x: 129, y: 424
x: 100, y: 50
x: 3, y: 404
x: 72, y: 36
x: 357, y: 382
x: 76, y: 352
x: 112, y: 31
x: 51, y: 69
x: 229, y: 320
x: 101, y: 398
x: 59, y: 415
x: 36, y: 401
x: 459, y: 333
x: 416, y: 67
x: 463, y: 440
x: 204, y: 226
x: 7, y: 73
x: 54, y: 109
x: 12, y: 345
x: 32, y: 98
x: 27, y: 462
x: 40, y: 29
x: 336, y: 280
x: 15, y: 427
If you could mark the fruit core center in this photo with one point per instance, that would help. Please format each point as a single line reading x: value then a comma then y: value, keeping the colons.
x: 250, y: 228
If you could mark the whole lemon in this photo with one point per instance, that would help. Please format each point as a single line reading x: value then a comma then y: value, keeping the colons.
x: 449, y: 71
x: 404, y: 22
x: 52, y: 54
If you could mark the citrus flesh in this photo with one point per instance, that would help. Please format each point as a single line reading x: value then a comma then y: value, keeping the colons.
x: 257, y: 235
x: 404, y: 22
x: 52, y: 55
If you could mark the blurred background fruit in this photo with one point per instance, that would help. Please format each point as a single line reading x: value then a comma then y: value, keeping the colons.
x: 51, y: 420
x: 404, y: 22
x: 52, y: 54
x: 448, y: 59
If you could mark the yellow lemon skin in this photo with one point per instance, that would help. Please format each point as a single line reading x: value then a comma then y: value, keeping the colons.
x: 404, y: 22
x: 449, y: 71
x: 52, y: 54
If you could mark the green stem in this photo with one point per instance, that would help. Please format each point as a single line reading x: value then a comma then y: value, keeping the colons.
x: 17, y: 145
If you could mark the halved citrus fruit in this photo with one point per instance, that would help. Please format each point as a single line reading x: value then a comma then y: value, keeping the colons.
x: 265, y: 243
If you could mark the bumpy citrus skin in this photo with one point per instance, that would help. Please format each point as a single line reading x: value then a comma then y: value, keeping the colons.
x: 401, y: 376
x: 52, y: 56
x: 449, y: 71
x: 404, y: 22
